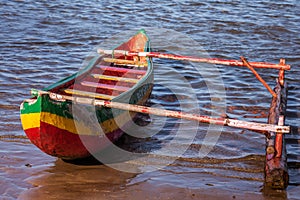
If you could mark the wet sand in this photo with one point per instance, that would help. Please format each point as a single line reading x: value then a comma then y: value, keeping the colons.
x: 34, y: 175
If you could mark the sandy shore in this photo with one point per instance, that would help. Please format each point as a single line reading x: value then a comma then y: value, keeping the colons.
x: 27, y: 173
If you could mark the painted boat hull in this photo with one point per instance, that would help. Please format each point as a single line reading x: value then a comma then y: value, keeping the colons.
x: 70, y: 130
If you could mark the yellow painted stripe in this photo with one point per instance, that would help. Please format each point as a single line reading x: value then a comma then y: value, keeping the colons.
x: 31, y: 120
x: 115, y: 78
x: 65, y: 123
x: 89, y: 94
x: 80, y: 127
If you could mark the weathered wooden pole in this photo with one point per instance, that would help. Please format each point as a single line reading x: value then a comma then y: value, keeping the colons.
x: 276, y: 170
x: 217, y: 61
x: 255, y: 126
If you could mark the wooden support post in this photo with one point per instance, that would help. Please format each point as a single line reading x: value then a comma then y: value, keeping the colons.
x: 281, y: 72
x: 247, y: 64
x: 276, y: 170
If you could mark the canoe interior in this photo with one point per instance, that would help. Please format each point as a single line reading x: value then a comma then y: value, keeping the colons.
x: 108, y: 80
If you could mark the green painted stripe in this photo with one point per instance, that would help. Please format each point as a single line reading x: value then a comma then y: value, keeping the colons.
x: 64, y: 109
x: 31, y: 107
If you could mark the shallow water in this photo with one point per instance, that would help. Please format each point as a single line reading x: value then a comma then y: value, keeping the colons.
x: 42, y: 42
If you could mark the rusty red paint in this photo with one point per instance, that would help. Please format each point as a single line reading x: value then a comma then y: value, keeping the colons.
x: 144, y: 110
x: 278, y: 145
x: 281, y: 72
x: 281, y: 77
x: 106, y: 103
x: 279, y: 139
x: 236, y: 63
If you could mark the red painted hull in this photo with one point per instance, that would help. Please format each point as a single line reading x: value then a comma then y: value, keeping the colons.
x: 61, y: 143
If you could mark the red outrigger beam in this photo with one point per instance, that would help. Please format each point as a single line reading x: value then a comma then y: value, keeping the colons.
x: 276, y: 171
x: 217, y: 61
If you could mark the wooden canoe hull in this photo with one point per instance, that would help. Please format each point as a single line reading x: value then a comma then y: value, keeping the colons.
x: 60, y: 135
x: 69, y: 130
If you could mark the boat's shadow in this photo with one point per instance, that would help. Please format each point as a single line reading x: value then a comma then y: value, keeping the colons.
x: 125, y: 149
x: 84, y: 161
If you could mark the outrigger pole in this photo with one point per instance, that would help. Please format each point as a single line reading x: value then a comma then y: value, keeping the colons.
x: 217, y: 61
x: 276, y: 170
x: 260, y: 127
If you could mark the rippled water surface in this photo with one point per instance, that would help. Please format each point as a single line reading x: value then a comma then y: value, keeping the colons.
x: 41, y: 42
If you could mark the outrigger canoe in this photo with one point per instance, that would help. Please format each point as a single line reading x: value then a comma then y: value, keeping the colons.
x: 50, y: 123
x: 120, y: 81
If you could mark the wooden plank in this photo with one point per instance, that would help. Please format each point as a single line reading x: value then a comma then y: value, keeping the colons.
x: 105, y: 86
x: 89, y: 94
x: 276, y: 170
x: 122, y: 70
x: 115, y: 78
x: 125, y: 62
